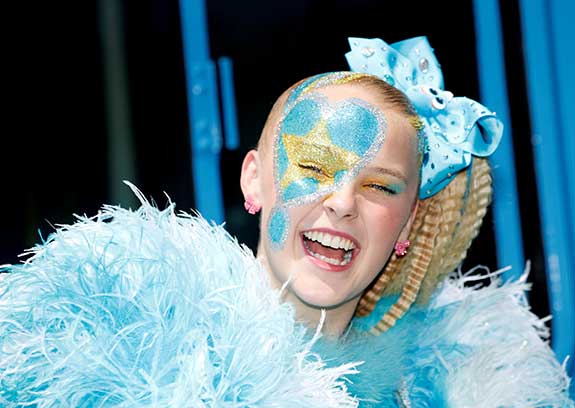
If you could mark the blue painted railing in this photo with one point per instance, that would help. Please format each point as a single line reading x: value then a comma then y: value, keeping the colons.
x: 548, y: 33
x: 203, y: 109
x: 493, y: 88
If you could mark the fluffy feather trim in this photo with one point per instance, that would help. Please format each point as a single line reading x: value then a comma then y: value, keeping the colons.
x: 473, y: 346
x: 509, y: 363
x: 150, y: 308
x: 153, y: 308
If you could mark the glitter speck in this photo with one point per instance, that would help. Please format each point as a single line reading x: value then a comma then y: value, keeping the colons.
x: 367, y: 52
x: 423, y: 65
x: 389, y: 79
x: 524, y: 344
x: 364, y: 67
x: 355, y: 43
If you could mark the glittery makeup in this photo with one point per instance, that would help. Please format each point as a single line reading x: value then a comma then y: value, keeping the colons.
x: 320, y: 146
x: 317, y: 140
x: 321, y: 81
x: 278, y: 226
x: 387, y: 187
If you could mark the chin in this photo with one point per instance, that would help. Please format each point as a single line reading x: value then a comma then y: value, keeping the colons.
x: 319, y: 297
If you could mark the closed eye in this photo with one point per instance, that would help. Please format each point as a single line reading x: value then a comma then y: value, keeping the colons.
x: 312, y: 167
x: 383, y: 188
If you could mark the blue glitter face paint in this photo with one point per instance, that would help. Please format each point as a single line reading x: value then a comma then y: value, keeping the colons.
x: 278, y: 226
x: 320, y: 146
x: 322, y: 140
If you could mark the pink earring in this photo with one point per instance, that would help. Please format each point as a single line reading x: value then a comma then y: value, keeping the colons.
x: 251, y: 207
x: 401, y: 247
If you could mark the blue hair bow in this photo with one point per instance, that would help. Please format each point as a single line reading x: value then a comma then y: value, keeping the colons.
x: 455, y: 127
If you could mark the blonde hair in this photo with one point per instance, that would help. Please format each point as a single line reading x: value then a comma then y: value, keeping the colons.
x: 444, y: 226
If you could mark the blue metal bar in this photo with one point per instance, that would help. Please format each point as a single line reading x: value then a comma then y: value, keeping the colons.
x: 195, y: 30
x: 542, y: 87
x: 232, y: 138
x: 493, y: 87
x: 206, y: 140
x: 563, y: 33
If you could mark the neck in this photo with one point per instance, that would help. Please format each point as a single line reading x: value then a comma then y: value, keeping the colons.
x: 337, y: 318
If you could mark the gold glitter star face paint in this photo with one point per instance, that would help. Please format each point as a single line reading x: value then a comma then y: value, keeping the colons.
x: 320, y: 146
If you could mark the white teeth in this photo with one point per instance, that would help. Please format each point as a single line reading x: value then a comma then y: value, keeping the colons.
x: 329, y: 240
x: 335, y: 242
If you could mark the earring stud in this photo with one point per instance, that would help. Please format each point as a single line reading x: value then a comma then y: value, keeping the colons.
x: 401, y: 247
x: 251, y: 207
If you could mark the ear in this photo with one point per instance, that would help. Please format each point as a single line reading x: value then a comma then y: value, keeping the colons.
x: 404, y: 234
x: 250, y: 178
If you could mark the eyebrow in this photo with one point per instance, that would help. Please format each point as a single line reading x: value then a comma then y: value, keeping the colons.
x: 386, y: 171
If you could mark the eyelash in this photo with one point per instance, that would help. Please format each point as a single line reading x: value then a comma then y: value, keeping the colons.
x: 378, y: 187
x: 313, y: 168
x: 383, y: 189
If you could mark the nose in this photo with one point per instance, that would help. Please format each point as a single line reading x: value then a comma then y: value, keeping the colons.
x: 341, y: 203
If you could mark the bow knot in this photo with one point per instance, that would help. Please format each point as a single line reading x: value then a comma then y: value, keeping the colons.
x: 455, y: 127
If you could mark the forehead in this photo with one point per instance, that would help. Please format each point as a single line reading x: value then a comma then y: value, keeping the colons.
x: 401, y: 140
x: 339, y: 119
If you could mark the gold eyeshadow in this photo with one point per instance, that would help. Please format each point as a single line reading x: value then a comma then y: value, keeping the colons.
x: 395, y: 186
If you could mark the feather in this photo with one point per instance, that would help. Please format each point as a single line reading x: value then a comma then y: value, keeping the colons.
x: 153, y: 308
x: 510, y: 363
x: 157, y: 308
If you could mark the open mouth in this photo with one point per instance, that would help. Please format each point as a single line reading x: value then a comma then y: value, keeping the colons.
x: 332, y: 249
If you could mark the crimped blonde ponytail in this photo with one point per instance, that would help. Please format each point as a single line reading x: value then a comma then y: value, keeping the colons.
x: 444, y: 227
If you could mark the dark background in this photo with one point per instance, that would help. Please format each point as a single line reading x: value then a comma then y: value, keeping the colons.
x: 54, y: 145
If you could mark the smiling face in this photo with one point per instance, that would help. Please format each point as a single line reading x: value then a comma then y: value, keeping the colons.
x: 343, y: 177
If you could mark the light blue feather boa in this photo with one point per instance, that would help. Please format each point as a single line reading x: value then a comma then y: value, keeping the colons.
x: 150, y: 308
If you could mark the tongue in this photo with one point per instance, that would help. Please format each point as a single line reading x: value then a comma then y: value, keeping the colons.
x: 328, y: 252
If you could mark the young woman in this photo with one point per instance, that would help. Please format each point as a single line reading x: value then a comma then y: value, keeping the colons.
x: 371, y: 189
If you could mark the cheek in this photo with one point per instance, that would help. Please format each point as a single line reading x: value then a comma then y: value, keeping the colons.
x: 278, y: 227
x: 281, y: 222
x: 387, y: 221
